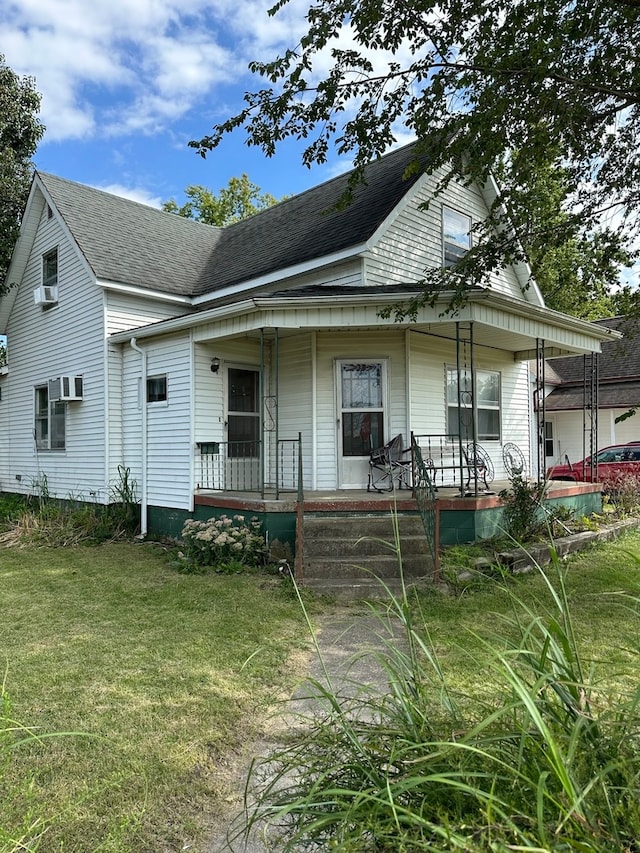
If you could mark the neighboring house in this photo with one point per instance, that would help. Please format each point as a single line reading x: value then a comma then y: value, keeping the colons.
x: 209, y: 360
x: 567, y: 415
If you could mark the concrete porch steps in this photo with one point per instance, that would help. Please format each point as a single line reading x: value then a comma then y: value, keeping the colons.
x: 345, y: 554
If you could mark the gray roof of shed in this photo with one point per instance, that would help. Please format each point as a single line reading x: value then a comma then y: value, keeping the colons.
x: 618, y: 371
x: 611, y: 395
x: 125, y: 241
x: 619, y: 359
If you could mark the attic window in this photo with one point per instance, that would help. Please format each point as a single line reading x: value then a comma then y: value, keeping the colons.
x: 456, y: 236
x: 50, y: 268
x: 49, y: 212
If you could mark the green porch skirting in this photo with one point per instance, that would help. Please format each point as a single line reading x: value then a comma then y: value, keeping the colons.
x: 168, y: 523
x: 462, y: 520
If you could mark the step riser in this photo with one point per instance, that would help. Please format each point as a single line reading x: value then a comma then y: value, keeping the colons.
x: 351, y: 550
x: 379, y: 566
x: 345, y: 554
x: 355, y: 528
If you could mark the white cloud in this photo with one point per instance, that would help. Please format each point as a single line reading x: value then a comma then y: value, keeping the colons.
x: 148, y: 61
x: 133, y: 193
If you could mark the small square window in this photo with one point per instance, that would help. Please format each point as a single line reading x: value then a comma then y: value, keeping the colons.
x: 456, y: 236
x: 156, y: 389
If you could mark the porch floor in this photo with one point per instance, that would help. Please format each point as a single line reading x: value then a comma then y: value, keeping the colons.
x: 361, y: 500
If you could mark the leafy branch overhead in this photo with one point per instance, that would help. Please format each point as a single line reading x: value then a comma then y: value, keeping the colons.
x: 20, y: 132
x: 515, y: 89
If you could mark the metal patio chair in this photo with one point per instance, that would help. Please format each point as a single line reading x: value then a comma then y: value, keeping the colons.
x: 389, y: 466
x: 514, y: 462
x: 479, y: 467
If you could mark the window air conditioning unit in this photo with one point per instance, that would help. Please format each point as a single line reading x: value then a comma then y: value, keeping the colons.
x: 46, y: 294
x: 65, y: 388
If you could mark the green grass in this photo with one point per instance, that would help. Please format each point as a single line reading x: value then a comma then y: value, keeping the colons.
x: 510, y: 722
x: 165, y: 674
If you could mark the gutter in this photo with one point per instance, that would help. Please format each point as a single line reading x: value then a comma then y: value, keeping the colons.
x: 143, y: 449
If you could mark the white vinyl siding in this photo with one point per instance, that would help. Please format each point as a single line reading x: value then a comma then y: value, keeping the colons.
x: 125, y: 311
x: 429, y: 359
x: 169, y: 450
x: 72, y: 337
x: 295, y: 409
x: 413, y: 240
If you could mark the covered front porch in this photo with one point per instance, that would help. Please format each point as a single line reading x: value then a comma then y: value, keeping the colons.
x: 300, y: 397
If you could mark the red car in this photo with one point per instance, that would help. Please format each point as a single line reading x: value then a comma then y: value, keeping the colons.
x: 614, y: 462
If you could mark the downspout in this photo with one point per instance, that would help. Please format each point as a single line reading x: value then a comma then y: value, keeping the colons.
x: 143, y: 450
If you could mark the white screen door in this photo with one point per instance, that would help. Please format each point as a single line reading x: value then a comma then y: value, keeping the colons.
x: 243, y: 429
x: 361, y: 423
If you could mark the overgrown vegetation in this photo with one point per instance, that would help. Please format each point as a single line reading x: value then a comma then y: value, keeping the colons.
x: 510, y: 722
x: 40, y: 519
x: 528, y: 517
x: 166, y: 675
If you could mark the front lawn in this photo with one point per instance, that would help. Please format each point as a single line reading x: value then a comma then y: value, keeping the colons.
x: 161, y: 673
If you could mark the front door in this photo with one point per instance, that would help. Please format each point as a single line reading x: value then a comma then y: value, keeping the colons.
x: 244, y: 450
x: 361, y: 422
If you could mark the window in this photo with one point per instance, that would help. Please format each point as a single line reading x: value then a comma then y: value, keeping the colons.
x: 487, y: 396
x: 50, y: 268
x: 456, y: 236
x: 362, y: 408
x: 548, y: 439
x: 156, y: 389
x: 49, y: 421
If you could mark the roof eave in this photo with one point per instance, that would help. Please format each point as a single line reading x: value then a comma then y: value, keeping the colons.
x: 281, y: 274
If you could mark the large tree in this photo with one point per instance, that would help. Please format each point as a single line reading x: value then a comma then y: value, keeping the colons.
x: 20, y: 132
x: 238, y: 200
x: 511, y: 86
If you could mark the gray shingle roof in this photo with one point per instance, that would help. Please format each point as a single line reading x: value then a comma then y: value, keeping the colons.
x: 619, y: 359
x: 618, y: 371
x: 125, y: 241
x: 611, y: 395
x: 128, y: 242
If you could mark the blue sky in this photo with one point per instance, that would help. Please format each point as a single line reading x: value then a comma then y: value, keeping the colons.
x: 126, y: 84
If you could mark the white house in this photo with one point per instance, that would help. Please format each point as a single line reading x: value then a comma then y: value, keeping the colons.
x: 213, y: 361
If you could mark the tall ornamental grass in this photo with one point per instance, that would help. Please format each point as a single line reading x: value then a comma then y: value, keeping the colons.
x: 547, y: 759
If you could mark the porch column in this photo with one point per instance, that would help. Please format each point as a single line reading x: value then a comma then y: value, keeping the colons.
x: 590, y: 384
x: 465, y: 368
x: 540, y: 410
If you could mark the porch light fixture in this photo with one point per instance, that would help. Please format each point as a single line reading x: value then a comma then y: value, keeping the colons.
x: 215, y: 364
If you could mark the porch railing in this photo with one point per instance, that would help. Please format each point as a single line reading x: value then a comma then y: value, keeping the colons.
x: 442, y: 458
x: 425, y: 494
x: 240, y: 466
